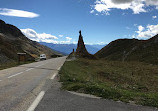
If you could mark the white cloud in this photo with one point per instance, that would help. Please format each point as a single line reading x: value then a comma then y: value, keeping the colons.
x: 146, y: 33
x: 123, y: 13
x: 61, y: 35
x: 99, y: 43
x: 134, y: 36
x: 128, y: 28
x: 67, y: 41
x: 140, y: 28
x: 46, y: 36
x: 30, y: 33
x: 39, y: 37
x: 63, y: 42
x: 17, y: 13
x: 135, y: 25
x: 92, y: 11
x: 137, y: 6
x: 154, y: 17
x: 43, y: 37
x: 151, y: 2
x: 68, y: 38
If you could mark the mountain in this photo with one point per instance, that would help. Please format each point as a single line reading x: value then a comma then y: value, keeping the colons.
x: 67, y: 48
x: 63, y: 48
x: 98, y: 46
x: 92, y: 49
x: 12, y: 41
x: 131, y: 50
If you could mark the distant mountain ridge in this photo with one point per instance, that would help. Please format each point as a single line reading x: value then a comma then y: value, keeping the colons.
x: 131, y: 50
x: 67, y: 48
x: 12, y: 41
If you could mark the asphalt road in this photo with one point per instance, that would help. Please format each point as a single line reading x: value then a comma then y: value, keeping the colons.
x: 20, y: 85
x: 35, y: 86
x: 60, y: 100
x: 56, y: 99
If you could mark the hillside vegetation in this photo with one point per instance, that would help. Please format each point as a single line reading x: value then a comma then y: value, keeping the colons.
x: 131, y: 82
x: 131, y: 50
x: 12, y: 41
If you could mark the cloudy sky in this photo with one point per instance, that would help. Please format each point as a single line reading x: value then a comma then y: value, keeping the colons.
x: 101, y: 21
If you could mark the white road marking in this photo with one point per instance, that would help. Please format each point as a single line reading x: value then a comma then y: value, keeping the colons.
x: 29, y: 69
x: 40, y: 65
x: 59, y: 68
x: 0, y: 80
x: 84, y: 95
x: 15, y: 74
x: 53, y: 76
x: 36, y: 101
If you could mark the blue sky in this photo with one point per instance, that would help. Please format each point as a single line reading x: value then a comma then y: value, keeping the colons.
x: 101, y: 21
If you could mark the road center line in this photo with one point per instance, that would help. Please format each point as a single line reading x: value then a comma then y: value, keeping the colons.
x: 29, y: 69
x: 53, y: 76
x: 15, y: 74
x: 36, y: 101
x: 39, y: 65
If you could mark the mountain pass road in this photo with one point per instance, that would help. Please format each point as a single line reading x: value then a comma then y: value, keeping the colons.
x: 20, y: 85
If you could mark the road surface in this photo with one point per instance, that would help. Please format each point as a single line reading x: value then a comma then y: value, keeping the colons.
x: 35, y: 87
x: 20, y: 85
x: 60, y: 100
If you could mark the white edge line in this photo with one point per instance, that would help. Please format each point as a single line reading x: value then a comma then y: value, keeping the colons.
x: 15, y: 74
x: 53, y: 76
x: 36, y: 101
x: 59, y: 68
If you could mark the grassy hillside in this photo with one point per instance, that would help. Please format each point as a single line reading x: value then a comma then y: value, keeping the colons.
x: 132, y: 82
x: 131, y: 50
x: 12, y: 41
x: 116, y: 49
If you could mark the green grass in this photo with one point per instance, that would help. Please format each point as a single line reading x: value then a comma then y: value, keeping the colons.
x: 124, y: 81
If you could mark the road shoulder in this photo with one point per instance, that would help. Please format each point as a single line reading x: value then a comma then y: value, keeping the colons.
x: 56, y: 99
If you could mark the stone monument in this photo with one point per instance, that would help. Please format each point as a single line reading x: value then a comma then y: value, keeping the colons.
x: 81, y: 50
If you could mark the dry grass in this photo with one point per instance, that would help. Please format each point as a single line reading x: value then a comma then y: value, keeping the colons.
x: 12, y: 64
x: 125, y: 81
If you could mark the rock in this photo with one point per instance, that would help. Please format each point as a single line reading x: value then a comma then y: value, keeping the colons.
x: 81, y: 50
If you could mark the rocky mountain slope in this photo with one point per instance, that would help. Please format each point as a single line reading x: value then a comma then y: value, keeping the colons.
x: 12, y: 41
x: 131, y: 50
